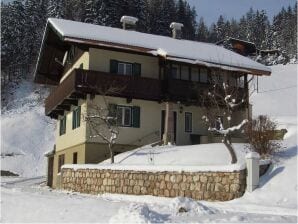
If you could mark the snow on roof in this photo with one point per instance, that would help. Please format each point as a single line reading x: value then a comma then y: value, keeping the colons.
x: 186, y: 49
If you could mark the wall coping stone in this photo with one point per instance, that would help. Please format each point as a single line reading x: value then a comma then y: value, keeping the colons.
x: 157, y: 168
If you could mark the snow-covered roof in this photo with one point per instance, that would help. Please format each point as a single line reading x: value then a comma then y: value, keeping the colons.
x: 152, y: 44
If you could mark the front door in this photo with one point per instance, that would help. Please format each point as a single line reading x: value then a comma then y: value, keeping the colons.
x: 50, y: 171
x: 163, y: 117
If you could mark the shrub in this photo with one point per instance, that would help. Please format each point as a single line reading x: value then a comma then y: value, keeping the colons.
x: 261, y: 133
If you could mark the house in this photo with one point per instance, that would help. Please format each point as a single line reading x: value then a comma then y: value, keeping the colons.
x: 242, y: 47
x: 156, y: 74
x: 249, y: 49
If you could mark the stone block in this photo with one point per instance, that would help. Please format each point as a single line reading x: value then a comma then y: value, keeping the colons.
x: 234, y: 187
x: 162, y: 184
x: 167, y: 177
x: 203, y: 179
x: 167, y: 193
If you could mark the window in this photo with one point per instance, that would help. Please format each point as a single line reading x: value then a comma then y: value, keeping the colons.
x: 62, y: 129
x: 75, y: 158
x: 128, y: 116
x: 175, y: 72
x: 124, y: 116
x: 218, y: 123
x: 195, y: 77
x: 184, y: 73
x: 203, y: 75
x: 125, y: 68
x: 60, y: 162
x: 188, y: 122
x: 76, y: 118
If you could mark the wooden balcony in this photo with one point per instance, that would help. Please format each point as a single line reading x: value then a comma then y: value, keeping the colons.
x: 82, y: 82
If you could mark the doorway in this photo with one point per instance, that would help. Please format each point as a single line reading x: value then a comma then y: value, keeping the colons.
x: 50, y: 171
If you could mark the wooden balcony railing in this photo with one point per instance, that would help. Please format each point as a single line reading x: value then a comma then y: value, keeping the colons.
x: 81, y: 82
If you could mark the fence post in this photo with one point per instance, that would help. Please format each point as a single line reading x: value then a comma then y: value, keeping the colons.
x: 252, y: 166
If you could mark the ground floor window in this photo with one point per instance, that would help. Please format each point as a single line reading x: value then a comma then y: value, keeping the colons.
x: 188, y: 122
x: 128, y: 116
x: 75, y: 158
x: 61, y: 159
x: 124, y: 116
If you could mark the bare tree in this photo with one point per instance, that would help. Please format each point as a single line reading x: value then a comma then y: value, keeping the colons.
x: 221, y: 101
x: 102, y: 119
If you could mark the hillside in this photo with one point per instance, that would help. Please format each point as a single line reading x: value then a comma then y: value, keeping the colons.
x: 26, y: 132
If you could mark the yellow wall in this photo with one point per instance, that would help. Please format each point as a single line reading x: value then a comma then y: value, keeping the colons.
x: 150, y: 122
x: 72, y: 136
x: 84, y: 59
x: 100, y: 61
x: 68, y: 158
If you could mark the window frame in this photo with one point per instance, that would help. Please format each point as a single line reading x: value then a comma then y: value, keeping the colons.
x: 123, y: 109
x: 188, y: 125
x: 76, y: 118
x: 124, y: 67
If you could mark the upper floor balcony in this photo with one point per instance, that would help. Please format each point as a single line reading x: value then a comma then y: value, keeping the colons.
x: 81, y: 82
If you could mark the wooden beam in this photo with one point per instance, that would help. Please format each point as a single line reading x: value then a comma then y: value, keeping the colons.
x: 63, y: 107
x: 58, y: 112
x: 77, y: 96
x: 70, y: 102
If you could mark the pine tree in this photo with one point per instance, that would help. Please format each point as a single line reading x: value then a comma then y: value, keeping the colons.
x: 202, y: 32
x: 56, y: 9
x: 220, y: 29
x: 12, y: 25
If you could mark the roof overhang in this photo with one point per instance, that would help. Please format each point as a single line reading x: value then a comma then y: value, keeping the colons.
x: 48, y: 70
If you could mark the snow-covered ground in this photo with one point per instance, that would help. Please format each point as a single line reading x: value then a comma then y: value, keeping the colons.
x: 25, y: 200
x: 175, y: 158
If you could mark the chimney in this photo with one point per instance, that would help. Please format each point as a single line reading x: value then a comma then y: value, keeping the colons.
x: 129, y: 22
x: 176, y: 30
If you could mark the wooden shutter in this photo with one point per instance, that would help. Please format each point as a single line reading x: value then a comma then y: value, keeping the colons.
x: 62, y: 125
x: 136, y: 117
x: 137, y: 69
x: 113, y: 66
x: 112, y: 112
x: 73, y: 119
x: 79, y: 116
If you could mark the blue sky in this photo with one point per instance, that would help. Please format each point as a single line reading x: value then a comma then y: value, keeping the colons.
x: 211, y: 9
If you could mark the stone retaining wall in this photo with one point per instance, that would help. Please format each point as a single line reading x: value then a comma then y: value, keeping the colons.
x: 209, y: 186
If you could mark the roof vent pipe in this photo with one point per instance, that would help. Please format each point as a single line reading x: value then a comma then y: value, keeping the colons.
x: 176, y: 30
x: 129, y: 22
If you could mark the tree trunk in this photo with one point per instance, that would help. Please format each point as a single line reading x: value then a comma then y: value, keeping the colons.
x: 111, y: 153
x: 227, y: 142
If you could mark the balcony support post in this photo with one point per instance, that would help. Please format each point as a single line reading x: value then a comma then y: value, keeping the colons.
x: 168, y: 135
